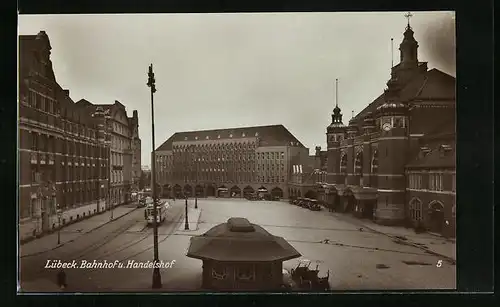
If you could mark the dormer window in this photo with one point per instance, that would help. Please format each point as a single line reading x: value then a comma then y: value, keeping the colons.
x: 230, y: 135
x: 424, y: 151
x: 207, y: 137
x: 256, y: 134
x: 185, y: 138
x: 243, y: 134
x: 445, y: 150
x: 195, y: 137
x: 218, y: 136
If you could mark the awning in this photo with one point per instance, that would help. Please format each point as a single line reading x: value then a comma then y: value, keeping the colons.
x: 340, y: 188
x: 364, y: 193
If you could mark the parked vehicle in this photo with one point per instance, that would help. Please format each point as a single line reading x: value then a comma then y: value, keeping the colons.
x: 313, y: 205
x: 308, y: 279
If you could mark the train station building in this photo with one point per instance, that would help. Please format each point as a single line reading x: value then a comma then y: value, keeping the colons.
x: 394, y: 162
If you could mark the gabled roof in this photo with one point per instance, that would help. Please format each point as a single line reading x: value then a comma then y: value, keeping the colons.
x: 273, y: 135
x: 240, y: 240
x: 29, y: 48
x: 433, y: 85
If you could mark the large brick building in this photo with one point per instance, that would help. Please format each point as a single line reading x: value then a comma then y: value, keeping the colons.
x: 63, y: 152
x: 228, y: 162
x: 395, y: 160
x: 125, y: 148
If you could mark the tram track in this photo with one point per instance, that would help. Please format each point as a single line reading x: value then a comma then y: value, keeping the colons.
x: 172, y: 222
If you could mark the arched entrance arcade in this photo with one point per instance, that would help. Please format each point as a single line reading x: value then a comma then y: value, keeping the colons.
x: 235, y: 191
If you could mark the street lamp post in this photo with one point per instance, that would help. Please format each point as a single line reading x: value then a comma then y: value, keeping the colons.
x: 156, y: 270
x: 186, y: 223
x: 59, y: 216
x: 196, y: 182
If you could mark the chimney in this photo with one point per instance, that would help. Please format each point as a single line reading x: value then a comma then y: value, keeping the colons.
x: 66, y: 92
x: 318, y: 150
x: 134, y: 114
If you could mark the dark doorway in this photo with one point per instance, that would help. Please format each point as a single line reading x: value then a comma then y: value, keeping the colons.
x: 436, y: 217
x: 350, y: 202
x: 199, y: 191
x: 188, y: 190
x: 210, y: 191
x: 166, y: 191
x: 277, y: 192
x: 310, y: 194
x: 247, y: 191
x: 177, y: 191
x: 369, y: 209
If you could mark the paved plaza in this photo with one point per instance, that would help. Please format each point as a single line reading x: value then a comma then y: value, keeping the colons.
x: 358, y: 255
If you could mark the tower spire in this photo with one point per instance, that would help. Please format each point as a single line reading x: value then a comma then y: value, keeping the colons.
x: 408, y: 16
x: 392, y: 52
x: 337, y: 93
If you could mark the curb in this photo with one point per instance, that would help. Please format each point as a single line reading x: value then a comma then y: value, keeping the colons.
x: 190, y: 230
x: 198, y: 220
x: 64, y: 243
x: 395, y: 238
x: 54, y: 230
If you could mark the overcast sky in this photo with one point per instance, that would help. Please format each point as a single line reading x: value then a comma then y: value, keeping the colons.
x: 233, y: 70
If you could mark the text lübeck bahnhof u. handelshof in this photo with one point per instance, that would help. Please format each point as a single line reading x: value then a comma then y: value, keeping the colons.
x: 105, y: 264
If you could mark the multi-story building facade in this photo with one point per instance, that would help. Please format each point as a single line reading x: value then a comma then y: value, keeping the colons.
x: 136, y: 151
x: 228, y: 162
x: 124, y: 148
x: 63, y: 152
x: 62, y: 156
x: 306, y: 177
x: 394, y: 162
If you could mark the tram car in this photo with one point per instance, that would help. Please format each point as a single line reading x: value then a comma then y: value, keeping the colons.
x: 161, y: 212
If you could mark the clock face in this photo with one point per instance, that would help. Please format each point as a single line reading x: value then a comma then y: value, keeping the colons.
x: 387, y: 126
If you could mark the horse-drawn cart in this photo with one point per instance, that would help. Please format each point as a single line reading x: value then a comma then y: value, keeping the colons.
x: 308, y: 279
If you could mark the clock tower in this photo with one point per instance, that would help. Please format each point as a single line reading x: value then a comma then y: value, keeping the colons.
x: 335, y: 134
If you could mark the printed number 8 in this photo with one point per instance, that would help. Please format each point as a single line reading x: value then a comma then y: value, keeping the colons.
x: 439, y: 263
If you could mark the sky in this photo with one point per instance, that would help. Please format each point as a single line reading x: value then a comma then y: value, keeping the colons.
x: 216, y: 71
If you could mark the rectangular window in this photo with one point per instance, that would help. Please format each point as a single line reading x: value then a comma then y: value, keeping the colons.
x: 453, y: 183
x: 245, y: 273
x: 34, y: 141
x: 32, y: 99
x: 42, y: 103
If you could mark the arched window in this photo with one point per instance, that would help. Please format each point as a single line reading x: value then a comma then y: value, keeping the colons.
x: 343, y: 163
x: 358, y: 163
x: 436, y: 205
x: 416, y: 209
x: 374, y: 162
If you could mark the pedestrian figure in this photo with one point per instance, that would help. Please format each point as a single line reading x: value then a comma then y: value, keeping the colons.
x: 61, y: 279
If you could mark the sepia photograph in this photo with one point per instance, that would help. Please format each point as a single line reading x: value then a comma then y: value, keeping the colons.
x: 247, y: 152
